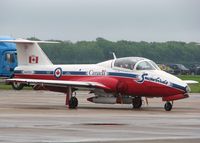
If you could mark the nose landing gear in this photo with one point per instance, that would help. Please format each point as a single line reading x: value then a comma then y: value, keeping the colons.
x: 168, y: 106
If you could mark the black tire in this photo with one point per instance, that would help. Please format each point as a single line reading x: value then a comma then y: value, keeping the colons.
x: 17, y: 85
x: 168, y: 106
x: 73, y: 103
x: 137, y: 102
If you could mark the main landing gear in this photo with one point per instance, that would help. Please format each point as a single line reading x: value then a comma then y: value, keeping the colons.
x: 73, y: 103
x: 137, y: 102
x: 168, y: 106
x: 71, y: 100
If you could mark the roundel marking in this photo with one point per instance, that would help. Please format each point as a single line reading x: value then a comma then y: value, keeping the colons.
x: 58, y: 72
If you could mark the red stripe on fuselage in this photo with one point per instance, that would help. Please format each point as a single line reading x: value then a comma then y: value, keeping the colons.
x: 147, y: 88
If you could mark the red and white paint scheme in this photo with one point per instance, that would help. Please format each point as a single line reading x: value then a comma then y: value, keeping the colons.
x: 117, y: 81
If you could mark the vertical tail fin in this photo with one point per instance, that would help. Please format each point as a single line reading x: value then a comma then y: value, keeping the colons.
x: 30, y: 53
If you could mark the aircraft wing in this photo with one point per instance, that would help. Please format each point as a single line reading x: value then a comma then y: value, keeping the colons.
x: 60, y: 83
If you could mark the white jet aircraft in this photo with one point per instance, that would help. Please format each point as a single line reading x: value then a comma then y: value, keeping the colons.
x: 117, y: 81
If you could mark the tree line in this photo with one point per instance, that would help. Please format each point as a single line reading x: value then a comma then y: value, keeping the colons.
x: 66, y: 52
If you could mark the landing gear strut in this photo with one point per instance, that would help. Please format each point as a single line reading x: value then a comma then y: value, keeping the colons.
x: 168, y: 106
x: 137, y: 102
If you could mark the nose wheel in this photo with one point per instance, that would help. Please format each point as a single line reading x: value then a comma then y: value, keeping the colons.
x: 168, y: 106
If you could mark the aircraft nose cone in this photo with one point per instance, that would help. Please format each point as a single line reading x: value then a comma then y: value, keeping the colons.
x: 175, y: 82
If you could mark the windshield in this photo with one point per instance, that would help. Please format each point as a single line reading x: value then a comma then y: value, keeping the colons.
x: 144, y: 65
x: 147, y: 65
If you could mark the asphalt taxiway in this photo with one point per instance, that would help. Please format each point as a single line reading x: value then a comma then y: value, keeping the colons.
x: 41, y: 116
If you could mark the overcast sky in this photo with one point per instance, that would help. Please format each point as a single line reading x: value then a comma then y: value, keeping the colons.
x: 75, y: 20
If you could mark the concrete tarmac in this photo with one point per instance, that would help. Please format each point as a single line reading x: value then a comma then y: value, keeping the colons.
x: 41, y: 116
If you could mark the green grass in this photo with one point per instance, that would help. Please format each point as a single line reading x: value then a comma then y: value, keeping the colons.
x: 5, y: 87
x: 195, y: 88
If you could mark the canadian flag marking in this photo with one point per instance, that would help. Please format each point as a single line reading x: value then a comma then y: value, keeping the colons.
x: 33, y: 59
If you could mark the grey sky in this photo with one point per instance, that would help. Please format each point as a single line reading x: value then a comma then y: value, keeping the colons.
x: 135, y: 20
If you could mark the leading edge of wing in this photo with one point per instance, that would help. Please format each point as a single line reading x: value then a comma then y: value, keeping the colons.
x: 60, y: 83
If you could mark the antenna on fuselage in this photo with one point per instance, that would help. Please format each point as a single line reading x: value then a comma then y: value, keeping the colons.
x: 114, y: 56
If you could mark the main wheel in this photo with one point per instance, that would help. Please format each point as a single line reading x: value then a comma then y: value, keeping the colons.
x: 17, y: 85
x: 137, y: 102
x: 168, y: 106
x: 73, y: 103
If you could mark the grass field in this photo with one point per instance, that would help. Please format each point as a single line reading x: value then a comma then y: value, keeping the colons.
x: 3, y: 86
x: 195, y: 87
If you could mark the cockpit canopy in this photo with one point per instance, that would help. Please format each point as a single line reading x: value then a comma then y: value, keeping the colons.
x: 135, y: 63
